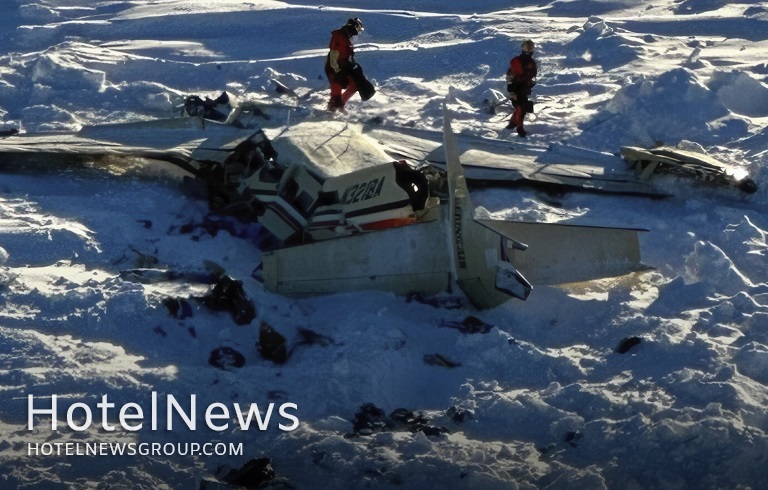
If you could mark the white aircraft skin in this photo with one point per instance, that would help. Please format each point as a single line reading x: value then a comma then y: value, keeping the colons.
x: 478, y: 255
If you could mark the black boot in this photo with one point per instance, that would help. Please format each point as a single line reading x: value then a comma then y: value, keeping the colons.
x: 335, y: 103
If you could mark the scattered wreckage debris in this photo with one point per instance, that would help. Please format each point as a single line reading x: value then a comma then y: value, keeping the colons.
x: 217, y: 109
x: 439, y: 301
x: 688, y: 163
x: 440, y: 360
x: 371, y: 419
x: 284, y: 89
x: 273, y: 345
x: 470, y: 325
x: 228, y: 295
x: 153, y: 275
x: 495, y: 99
x: 226, y: 357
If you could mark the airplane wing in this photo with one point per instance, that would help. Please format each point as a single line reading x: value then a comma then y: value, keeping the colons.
x: 499, y: 162
x: 178, y: 141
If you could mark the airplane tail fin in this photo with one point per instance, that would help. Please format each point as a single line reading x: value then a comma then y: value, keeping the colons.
x: 488, y: 255
x: 478, y: 263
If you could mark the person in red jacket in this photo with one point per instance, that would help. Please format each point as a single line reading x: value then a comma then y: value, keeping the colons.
x: 521, y: 77
x: 339, y: 62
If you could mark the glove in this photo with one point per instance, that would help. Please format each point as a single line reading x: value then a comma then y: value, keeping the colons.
x: 512, y: 96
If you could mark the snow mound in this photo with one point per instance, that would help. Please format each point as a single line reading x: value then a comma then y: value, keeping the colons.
x: 740, y: 93
x: 752, y: 360
x: 709, y: 264
x: 36, y: 12
x: 62, y: 69
x: 599, y: 43
x: 698, y: 6
x: 43, y: 118
x: 750, y: 240
x: 667, y: 108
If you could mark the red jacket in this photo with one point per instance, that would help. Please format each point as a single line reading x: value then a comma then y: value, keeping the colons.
x: 521, y: 74
x: 341, y: 43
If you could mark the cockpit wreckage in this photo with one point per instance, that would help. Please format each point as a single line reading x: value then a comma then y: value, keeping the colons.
x: 351, y: 211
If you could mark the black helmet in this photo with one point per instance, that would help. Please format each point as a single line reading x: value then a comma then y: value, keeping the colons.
x: 355, y: 24
x: 527, y: 46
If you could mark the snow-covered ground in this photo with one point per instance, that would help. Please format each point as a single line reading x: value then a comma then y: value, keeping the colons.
x: 546, y: 398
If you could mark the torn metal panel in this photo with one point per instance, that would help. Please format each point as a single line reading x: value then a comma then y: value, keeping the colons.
x: 399, y: 260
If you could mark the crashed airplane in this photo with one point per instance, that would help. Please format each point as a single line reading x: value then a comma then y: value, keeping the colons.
x: 484, y: 257
x: 349, y: 217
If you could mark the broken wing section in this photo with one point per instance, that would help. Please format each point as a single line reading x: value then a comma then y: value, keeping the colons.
x: 646, y: 162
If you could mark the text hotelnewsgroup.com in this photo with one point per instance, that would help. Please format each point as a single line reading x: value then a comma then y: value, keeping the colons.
x: 133, y: 449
